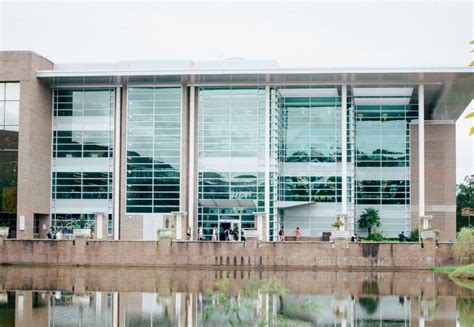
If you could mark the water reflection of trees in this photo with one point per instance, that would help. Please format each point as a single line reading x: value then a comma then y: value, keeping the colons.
x: 253, y: 305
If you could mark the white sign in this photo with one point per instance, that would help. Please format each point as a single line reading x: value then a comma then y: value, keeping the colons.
x: 22, y: 223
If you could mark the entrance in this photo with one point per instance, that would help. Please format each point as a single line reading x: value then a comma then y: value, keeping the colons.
x: 228, y: 224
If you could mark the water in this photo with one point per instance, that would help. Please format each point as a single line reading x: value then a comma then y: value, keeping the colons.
x: 59, y: 296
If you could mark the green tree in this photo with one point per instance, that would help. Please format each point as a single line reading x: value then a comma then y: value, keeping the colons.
x: 464, y: 246
x: 369, y: 218
x: 464, y: 199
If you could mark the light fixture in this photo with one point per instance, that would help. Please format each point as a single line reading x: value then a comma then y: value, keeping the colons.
x: 309, y: 93
x: 382, y: 101
x: 383, y: 91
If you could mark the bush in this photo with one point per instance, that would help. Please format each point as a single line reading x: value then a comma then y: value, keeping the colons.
x: 414, y: 236
x: 377, y: 237
x: 464, y: 246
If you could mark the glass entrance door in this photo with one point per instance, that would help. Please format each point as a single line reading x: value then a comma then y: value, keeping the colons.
x: 229, y: 228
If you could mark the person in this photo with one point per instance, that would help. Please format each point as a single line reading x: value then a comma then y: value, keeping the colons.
x: 200, y: 233
x: 353, y: 238
x: 281, y: 233
x: 221, y: 233
x: 236, y: 233
x: 298, y: 234
x: 214, y: 234
x: 401, y: 237
x: 188, y: 233
x: 226, y: 234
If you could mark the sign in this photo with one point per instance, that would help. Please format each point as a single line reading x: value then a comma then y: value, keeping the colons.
x: 467, y: 212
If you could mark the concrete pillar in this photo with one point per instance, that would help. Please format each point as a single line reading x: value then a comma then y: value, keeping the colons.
x: 266, y: 236
x: 117, y: 155
x: 344, y: 148
x: 191, y: 158
x: 421, y: 152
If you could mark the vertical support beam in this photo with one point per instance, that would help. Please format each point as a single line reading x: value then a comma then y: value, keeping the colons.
x: 191, y: 161
x: 117, y: 155
x: 267, y: 162
x: 421, y: 153
x: 115, y: 309
x: 344, y: 148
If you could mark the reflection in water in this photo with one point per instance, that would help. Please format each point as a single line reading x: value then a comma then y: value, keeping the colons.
x: 141, y: 297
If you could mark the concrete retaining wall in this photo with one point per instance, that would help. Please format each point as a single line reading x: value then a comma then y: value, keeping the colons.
x: 250, y: 254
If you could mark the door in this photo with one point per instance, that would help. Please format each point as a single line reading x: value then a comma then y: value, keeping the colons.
x: 229, y: 224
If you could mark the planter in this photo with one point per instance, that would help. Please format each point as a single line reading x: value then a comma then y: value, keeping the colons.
x: 248, y: 233
x: 344, y: 234
x: 164, y: 232
x: 82, y: 232
x: 4, y: 231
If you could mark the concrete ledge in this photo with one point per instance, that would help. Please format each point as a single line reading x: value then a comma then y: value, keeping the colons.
x: 242, y: 255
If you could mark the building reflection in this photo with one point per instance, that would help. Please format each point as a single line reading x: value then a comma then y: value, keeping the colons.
x: 96, y: 308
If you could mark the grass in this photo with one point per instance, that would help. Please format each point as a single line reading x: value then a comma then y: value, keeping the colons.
x: 460, y: 275
x: 465, y: 273
x: 445, y: 269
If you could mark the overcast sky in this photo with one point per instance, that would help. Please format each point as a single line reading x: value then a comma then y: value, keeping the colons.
x: 317, y: 34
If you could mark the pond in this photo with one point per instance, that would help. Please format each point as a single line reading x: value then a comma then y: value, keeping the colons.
x: 60, y: 296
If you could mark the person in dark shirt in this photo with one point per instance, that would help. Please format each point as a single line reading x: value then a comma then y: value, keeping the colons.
x: 401, y: 237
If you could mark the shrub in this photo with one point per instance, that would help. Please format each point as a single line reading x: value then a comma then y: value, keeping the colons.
x: 377, y: 237
x: 464, y: 246
x: 414, y: 236
x: 369, y: 218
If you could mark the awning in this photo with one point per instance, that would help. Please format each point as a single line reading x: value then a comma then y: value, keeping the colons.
x: 228, y: 203
x: 292, y: 204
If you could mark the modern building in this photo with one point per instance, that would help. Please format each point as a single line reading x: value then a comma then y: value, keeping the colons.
x: 135, y: 146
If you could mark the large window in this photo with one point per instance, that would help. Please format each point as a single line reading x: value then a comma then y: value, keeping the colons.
x: 231, y: 141
x: 153, y: 149
x: 82, y: 164
x: 9, y: 125
x: 382, y: 153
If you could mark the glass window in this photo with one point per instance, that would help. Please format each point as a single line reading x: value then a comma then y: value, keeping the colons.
x: 153, y: 149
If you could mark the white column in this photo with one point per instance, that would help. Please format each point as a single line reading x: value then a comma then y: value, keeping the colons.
x: 191, y: 195
x: 115, y: 309
x: 421, y: 153
x: 344, y: 148
x: 98, y: 227
x: 117, y: 155
x: 267, y: 160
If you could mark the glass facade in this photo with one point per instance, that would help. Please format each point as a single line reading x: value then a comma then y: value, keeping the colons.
x: 382, y: 148
x: 9, y: 126
x: 310, y: 184
x: 305, y: 153
x: 231, y: 157
x: 153, y: 150
x: 82, y: 163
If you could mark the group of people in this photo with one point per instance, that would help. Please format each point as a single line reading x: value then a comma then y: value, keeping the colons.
x: 225, y: 234
x: 281, y: 234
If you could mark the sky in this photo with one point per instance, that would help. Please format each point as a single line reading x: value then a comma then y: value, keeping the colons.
x: 312, y: 34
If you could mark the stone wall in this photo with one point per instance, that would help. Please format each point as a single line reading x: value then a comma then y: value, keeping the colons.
x: 251, y: 254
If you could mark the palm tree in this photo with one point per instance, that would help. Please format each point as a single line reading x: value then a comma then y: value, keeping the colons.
x: 369, y: 218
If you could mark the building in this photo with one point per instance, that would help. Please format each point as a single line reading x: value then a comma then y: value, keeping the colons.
x: 135, y: 146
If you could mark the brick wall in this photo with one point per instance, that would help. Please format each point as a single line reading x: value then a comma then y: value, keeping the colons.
x: 341, y: 254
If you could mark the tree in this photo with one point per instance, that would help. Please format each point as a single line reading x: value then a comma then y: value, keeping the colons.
x: 464, y: 199
x: 369, y: 218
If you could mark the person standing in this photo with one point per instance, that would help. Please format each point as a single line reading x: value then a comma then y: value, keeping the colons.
x: 236, y: 233
x: 214, y: 234
x: 298, y: 234
x: 281, y: 233
x: 188, y: 234
x: 401, y: 237
x: 200, y: 233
